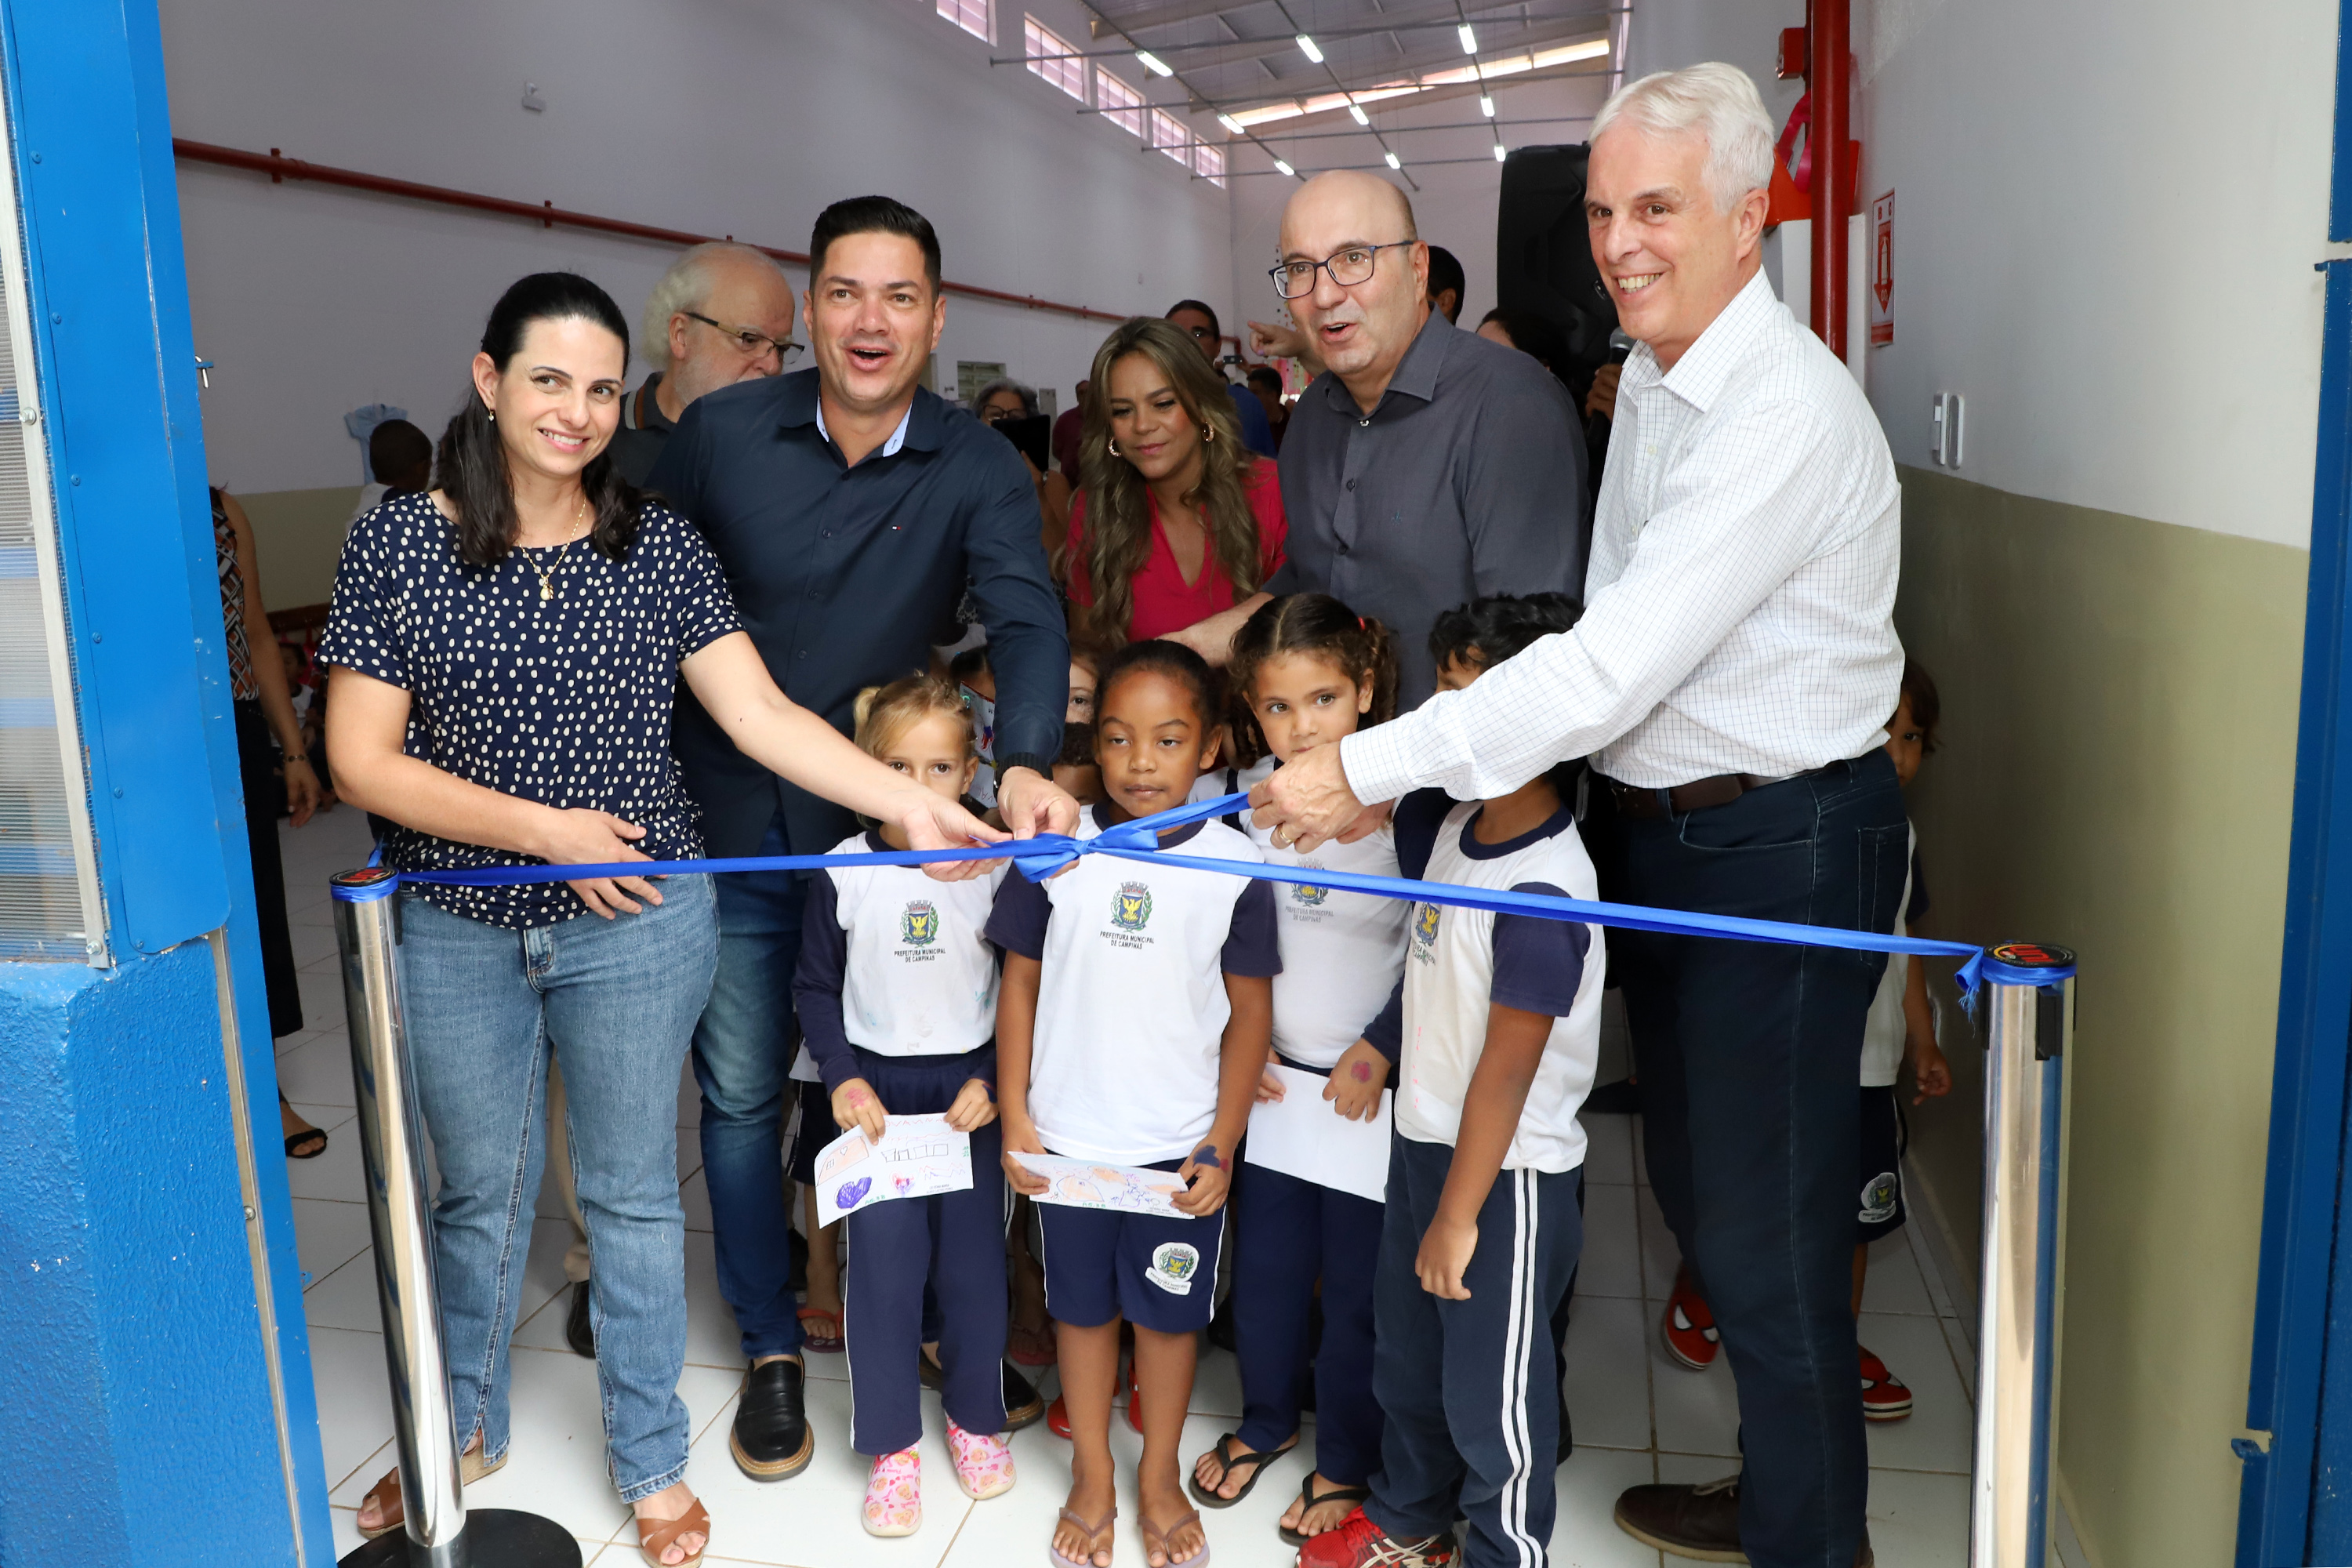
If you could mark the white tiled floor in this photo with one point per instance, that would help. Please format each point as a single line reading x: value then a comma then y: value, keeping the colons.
x: 1639, y: 1416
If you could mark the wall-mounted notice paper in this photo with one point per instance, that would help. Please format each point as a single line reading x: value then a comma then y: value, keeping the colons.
x: 1086, y: 1184
x: 918, y: 1157
x: 1301, y: 1135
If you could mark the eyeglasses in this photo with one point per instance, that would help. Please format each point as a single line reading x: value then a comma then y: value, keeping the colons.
x: 1296, y: 279
x: 752, y: 343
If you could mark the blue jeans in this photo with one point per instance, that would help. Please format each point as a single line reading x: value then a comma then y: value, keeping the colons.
x: 1749, y: 1053
x: 742, y: 1054
x: 617, y: 1000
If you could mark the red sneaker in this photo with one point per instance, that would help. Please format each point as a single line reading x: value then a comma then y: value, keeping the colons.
x: 1358, y: 1543
x: 1883, y: 1396
x: 1057, y: 1417
x: 1689, y: 1328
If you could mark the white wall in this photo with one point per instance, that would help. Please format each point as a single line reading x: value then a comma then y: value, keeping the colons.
x: 713, y: 116
x: 2106, y: 214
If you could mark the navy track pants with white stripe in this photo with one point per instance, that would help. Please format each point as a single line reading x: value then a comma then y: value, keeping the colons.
x: 1471, y: 1388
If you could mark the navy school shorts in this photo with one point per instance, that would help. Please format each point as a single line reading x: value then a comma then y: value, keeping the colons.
x: 1158, y: 1274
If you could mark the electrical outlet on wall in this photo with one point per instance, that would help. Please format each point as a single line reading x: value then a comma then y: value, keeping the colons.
x: 1947, y: 425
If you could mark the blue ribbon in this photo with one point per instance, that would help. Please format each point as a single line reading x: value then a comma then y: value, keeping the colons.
x: 1138, y: 839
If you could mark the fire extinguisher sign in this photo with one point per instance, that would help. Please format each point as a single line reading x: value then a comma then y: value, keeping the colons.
x: 1882, y: 269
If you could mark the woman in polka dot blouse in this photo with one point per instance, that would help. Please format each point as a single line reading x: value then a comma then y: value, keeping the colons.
x: 505, y: 652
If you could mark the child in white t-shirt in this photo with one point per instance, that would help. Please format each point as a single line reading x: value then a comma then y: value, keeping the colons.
x: 1307, y: 671
x: 1132, y: 1030
x: 1498, y: 1032
x: 897, y: 995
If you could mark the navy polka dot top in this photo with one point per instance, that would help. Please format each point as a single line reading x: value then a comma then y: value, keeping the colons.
x: 563, y: 701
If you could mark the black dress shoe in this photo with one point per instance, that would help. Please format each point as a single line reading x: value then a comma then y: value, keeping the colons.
x: 1023, y: 1405
x: 771, y: 1439
x: 578, y: 1331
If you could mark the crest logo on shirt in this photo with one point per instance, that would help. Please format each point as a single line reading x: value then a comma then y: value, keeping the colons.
x: 1131, y: 908
x: 919, y: 925
x: 1879, y: 1197
x: 1424, y: 926
x: 1301, y: 893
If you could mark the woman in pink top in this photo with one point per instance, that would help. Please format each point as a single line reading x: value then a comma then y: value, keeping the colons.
x: 1176, y: 522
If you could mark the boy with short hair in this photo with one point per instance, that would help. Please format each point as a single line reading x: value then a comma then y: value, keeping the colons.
x: 1496, y: 1031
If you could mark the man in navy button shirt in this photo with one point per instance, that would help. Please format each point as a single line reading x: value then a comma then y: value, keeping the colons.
x: 851, y: 508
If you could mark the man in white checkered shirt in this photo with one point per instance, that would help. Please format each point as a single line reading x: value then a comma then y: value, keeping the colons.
x: 1730, y: 680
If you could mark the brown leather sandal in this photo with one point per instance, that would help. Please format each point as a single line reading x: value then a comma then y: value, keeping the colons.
x: 386, y: 1492
x: 655, y: 1536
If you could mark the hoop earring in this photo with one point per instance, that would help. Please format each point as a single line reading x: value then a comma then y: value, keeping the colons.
x: 1208, y: 434
x: 1114, y: 448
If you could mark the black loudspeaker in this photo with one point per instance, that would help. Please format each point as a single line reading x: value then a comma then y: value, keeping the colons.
x: 1543, y: 257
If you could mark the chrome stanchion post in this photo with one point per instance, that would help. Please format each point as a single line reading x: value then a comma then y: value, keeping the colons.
x: 438, y: 1532
x: 2030, y: 1021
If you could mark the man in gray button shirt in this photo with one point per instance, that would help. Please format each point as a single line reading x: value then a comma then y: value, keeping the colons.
x: 1426, y: 466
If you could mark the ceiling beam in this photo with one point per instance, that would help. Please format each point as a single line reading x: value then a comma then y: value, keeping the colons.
x: 1163, y: 16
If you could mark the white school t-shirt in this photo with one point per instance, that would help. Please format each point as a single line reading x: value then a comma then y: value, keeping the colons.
x: 1884, y: 1031
x: 1131, y: 1006
x: 1341, y: 952
x: 1451, y: 974
x: 918, y: 977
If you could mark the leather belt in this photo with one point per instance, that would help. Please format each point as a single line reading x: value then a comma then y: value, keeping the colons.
x: 1700, y: 795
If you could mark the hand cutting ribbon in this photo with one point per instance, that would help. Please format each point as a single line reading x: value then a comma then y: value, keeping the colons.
x: 1043, y: 855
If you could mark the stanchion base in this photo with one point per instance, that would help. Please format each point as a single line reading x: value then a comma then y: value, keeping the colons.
x: 493, y: 1538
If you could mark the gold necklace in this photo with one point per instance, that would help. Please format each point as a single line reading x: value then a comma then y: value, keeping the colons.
x: 547, y: 579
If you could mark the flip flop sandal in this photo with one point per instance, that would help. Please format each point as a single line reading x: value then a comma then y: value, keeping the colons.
x: 1309, y: 1499
x: 386, y: 1491
x: 304, y: 1137
x: 1094, y: 1534
x: 655, y: 1536
x: 824, y: 1345
x: 1257, y: 1459
x: 1156, y: 1540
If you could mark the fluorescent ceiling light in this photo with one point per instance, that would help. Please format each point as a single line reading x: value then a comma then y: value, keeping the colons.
x: 1230, y: 124
x: 1306, y: 47
x: 1285, y: 168
x: 1498, y: 153
x: 1469, y: 39
x: 1358, y: 111
x: 1394, y: 163
x: 1487, y: 104
x: 1154, y: 64
x: 1509, y: 64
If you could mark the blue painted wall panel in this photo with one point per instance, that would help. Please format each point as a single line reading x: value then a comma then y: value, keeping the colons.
x: 129, y: 1167
x: 101, y: 298
x: 127, y: 1297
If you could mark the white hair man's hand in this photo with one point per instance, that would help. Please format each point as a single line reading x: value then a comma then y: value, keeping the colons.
x: 1307, y: 802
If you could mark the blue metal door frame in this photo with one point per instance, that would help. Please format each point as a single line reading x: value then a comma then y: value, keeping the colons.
x: 239, y: 1475
x: 2296, y: 1500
